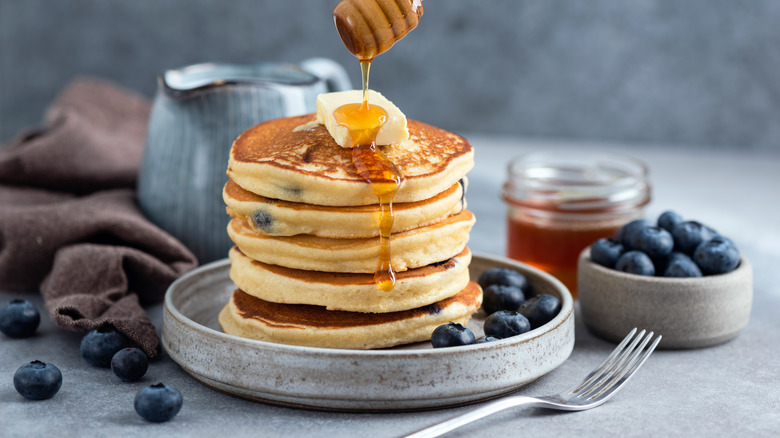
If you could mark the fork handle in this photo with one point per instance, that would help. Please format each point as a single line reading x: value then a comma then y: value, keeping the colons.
x: 469, y: 417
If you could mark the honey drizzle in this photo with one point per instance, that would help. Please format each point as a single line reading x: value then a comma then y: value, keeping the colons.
x: 365, y: 67
x: 375, y: 168
x: 363, y: 122
x: 367, y: 29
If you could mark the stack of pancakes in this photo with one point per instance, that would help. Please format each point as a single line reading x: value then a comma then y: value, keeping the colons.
x: 306, y: 232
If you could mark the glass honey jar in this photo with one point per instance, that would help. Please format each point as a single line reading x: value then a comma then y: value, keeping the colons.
x: 559, y: 202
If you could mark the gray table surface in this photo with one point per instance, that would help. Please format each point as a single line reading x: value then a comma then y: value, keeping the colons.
x: 728, y: 390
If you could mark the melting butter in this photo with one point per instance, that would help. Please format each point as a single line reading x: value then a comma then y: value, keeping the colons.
x: 393, y: 131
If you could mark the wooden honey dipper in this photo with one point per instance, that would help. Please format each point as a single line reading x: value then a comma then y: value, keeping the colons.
x: 371, y: 27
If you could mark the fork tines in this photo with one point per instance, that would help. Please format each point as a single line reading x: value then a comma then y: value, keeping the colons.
x: 618, y: 367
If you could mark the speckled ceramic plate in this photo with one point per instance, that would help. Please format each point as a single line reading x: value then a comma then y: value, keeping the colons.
x: 403, y: 378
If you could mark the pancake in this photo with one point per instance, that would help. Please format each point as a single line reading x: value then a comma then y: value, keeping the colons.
x: 295, y: 160
x: 297, y: 324
x: 351, y: 292
x: 283, y: 218
x: 410, y: 249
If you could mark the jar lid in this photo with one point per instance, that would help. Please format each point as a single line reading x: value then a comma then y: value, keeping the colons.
x: 577, y: 181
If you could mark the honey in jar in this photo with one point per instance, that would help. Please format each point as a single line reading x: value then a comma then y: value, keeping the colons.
x: 559, y: 202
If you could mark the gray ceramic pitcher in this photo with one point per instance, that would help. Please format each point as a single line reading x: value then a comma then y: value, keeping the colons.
x: 197, y: 113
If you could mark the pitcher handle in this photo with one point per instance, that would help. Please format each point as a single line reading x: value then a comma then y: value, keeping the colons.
x: 330, y: 71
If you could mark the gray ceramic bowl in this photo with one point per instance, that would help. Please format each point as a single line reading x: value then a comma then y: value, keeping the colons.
x: 688, y: 312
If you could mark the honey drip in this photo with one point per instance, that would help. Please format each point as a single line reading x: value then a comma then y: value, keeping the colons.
x: 365, y: 68
x: 373, y: 166
x: 368, y: 28
x: 363, y: 122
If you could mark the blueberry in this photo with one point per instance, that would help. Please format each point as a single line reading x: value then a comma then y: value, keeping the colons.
x: 635, y: 262
x: 716, y: 256
x: 158, y: 403
x: 626, y: 232
x: 19, y: 319
x: 651, y: 240
x: 100, y: 345
x: 504, y: 277
x: 505, y: 323
x: 668, y: 219
x: 690, y: 234
x: 451, y: 335
x: 37, y: 380
x: 263, y: 220
x: 499, y: 297
x: 606, y: 252
x: 540, y: 309
x: 681, y: 266
x: 483, y: 339
x: 129, y: 364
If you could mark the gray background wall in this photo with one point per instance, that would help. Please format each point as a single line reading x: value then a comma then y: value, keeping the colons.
x: 693, y: 72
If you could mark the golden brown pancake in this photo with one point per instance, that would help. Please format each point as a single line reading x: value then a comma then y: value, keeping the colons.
x: 283, y: 218
x: 410, y: 249
x: 295, y: 160
x: 297, y: 324
x: 351, y: 292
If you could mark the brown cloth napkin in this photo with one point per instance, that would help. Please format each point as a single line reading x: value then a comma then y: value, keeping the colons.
x: 69, y: 223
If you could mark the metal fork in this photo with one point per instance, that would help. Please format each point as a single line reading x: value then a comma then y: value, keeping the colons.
x: 597, y: 387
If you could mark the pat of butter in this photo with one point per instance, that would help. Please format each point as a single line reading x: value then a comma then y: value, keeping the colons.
x: 394, y: 131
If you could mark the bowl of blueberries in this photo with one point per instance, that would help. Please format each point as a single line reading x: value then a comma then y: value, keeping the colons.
x: 679, y: 278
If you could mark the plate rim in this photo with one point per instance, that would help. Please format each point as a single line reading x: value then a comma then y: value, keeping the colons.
x: 563, y: 343
x: 567, y: 307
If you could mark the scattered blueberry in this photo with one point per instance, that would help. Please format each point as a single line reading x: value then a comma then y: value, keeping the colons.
x: 19, y: 319
x: 540, y: 309
x: 681, y: 266
x: 716, y: 256
x: 100, y: 345
x: 499, y: 297
x: 129, y: 364
x: 690, y: 234
x: 452, y: 334
x: 505, y: 323
x: 668, y: 219
x: 626, y: 234
x: 158, y: 402
x: 37, y: 380
x: 651, y: 240
x: 635, y: 262
x: 483, y: 339
x: 606, y: 252
x: 504, y: 277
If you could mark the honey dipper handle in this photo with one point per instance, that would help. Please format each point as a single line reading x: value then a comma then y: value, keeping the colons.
x: 371, y: 27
